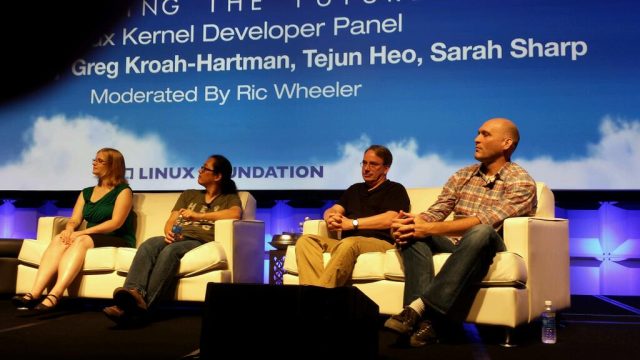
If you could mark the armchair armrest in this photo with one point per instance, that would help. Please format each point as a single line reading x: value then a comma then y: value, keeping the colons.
x: 543, y: 243
x: 317, y: 227
x: 243, y: 243
x: 50, y: 226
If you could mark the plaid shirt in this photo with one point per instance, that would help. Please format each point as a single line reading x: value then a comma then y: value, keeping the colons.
x: 469, y: 192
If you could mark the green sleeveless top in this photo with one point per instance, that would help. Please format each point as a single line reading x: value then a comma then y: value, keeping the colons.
x: 102, y: 210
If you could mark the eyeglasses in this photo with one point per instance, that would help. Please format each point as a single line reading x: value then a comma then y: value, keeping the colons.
x: 99, y: 161
x: 204, y: 168
x: 371, y: 165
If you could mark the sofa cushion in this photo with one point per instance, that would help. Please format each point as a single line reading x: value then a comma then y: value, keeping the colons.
x: 507, y: 269
x: 124, y: 258
x: 291, y: 266
x: 31, y: 252
x: 206, y: 257
x: 98, y: 259
x: 369, y: 266
x: 209, y: 256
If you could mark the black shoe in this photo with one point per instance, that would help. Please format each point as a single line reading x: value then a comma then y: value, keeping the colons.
x: 25, y: 302
x: 404, y: 322
x: 425, y: 334
x: 42, y: 308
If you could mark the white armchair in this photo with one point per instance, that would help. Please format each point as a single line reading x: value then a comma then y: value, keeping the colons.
x: 534, y: 268
x: 237, y: 254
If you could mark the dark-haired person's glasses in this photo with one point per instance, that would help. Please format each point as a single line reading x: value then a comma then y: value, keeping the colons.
x: 204, y: 168
x: 99, y: 161
x: 371, y: 165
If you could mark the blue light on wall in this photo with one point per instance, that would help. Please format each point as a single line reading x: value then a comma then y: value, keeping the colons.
x: 21, y: 222
x: 604, y: 245
x: 7, y: 211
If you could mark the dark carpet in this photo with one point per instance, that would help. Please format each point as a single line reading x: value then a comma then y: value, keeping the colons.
x: 594, y: 327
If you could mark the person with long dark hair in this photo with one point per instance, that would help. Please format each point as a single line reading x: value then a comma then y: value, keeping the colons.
x: 106, y: 207
x: 157, y: 260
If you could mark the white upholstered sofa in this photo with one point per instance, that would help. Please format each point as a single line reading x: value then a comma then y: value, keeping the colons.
x: 534, y: 268
x: 237, y: 255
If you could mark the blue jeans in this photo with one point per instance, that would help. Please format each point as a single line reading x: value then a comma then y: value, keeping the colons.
x: 460, y: 274
x: 155, y: 266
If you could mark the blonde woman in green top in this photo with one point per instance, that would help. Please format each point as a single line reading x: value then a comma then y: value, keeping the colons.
x: 106, y: 208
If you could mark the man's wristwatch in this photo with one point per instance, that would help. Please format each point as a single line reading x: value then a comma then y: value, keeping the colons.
x: 355, y: 224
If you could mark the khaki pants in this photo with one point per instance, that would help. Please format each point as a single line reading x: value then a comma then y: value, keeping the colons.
x: 344, y: 253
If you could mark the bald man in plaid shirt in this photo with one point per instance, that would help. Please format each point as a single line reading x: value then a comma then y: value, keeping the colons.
x: 481, y: 197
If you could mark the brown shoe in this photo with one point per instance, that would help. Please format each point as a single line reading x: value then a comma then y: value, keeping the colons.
x: 115, y: 313
x: 404, y: 322
x: 425, y: 334
x: 129, y: 300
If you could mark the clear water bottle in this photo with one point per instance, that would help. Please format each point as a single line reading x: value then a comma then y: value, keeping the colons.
x: 177, y: 228
x: 548, y: 323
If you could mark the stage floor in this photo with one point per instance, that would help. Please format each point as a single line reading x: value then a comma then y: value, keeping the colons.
x: 594, y: 327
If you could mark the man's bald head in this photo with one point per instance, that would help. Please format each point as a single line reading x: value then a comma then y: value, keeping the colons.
x: 508, y: 129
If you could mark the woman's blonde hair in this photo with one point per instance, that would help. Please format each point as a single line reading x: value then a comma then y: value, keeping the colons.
x: 115, y: 168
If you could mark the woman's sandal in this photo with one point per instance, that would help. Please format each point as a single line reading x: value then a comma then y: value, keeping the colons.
x: 26, y: 301
x: 42, y: 308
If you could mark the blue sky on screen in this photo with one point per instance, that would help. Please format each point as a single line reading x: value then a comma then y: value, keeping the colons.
x: 574, y: 114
